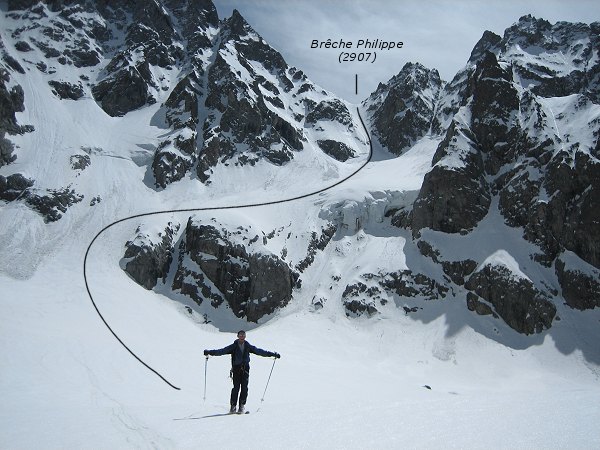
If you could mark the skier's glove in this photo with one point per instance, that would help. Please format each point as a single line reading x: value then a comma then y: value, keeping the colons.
x: 277, y: 355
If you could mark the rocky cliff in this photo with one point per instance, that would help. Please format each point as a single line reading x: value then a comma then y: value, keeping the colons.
x: 520, y: 134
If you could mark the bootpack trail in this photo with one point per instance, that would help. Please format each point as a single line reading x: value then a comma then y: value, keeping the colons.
x: 213, y: 208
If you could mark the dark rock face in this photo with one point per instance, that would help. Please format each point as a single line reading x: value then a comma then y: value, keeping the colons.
x: 176, y: 157
x: 151, y: 41
x: 576, y: 204
x: 6, y: 150
x: 493, y: 122
x: 358, y: 299
x: 20, y: 4
x: 333, y: 110
x: 64, y: 90
x: 488, y: 43
x: 148, y: 259
x: 402, y: 110
x: 317, y: 242
x: 169, y: 166
x: 51, y: 206
x: 125, y: 91
x: 580, y: 290
x: 475, y: 304
x: 355, y: 308
x: 13, y: 186
x: 211, y: 266
x: 455, y: 194
x: 459, y: 270
x: 402, y: 283
x: 400, y: 217
x: 455, y: 94
x: 568, y: 220
x: 80, y: 162
x: 11, y: 102
x: 406, y: 283
x: 363, y: 297
x: 195, y: 17
x: 72, y: 28
x: 515, y: 299
x: 54, y: 204
x: 335, y: 149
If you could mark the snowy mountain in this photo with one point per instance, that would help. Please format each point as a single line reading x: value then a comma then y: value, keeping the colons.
x: 520, y: 129
x: 206, y: 186
x: 402, y: 109
x: 203, y: 103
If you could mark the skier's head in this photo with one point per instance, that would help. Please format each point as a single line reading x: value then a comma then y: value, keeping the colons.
x: 241, y: 335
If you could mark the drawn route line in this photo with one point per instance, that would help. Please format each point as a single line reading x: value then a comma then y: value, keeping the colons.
x: 213, y: 208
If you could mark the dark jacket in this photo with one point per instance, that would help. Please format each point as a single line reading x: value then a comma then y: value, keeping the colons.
x: 238, y: 357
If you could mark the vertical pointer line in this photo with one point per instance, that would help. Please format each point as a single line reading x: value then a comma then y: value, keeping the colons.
x: 356, y: 84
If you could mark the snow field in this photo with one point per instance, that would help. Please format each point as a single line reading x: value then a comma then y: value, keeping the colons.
x: 339, y: 384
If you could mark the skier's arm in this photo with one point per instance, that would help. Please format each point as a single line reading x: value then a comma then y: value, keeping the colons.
x: 261, y: 352
x: 220, y: 352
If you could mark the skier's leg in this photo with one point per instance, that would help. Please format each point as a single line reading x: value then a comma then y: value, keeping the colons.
x: 244, y: 379
x: 237, y: 382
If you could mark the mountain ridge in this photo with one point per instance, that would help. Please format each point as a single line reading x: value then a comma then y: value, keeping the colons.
x: 223, y: 102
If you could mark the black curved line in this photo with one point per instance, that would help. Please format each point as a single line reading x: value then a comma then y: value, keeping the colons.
x: 213, y: 208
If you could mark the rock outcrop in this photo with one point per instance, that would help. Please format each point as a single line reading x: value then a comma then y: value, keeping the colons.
x: 580, y: 282
x: 51, y: 204
x: 401, y: 111
x: 216, y: 264
x: 514, y: 297
x: 149, y: 255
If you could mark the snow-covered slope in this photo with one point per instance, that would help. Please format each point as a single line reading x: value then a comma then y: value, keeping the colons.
x: 339, y: 383
x: 388, y: 339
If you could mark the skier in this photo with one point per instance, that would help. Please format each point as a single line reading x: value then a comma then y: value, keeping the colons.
x: 240, y: 367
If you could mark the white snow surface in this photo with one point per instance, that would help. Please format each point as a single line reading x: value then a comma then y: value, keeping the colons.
x: 67, y: 383
x: 504, y: 259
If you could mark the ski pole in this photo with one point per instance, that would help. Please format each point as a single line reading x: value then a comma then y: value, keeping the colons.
x: 205, y: 366
x: 272, y: 367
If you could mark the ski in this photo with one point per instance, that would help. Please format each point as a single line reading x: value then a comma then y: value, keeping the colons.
x: 213, y: 415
